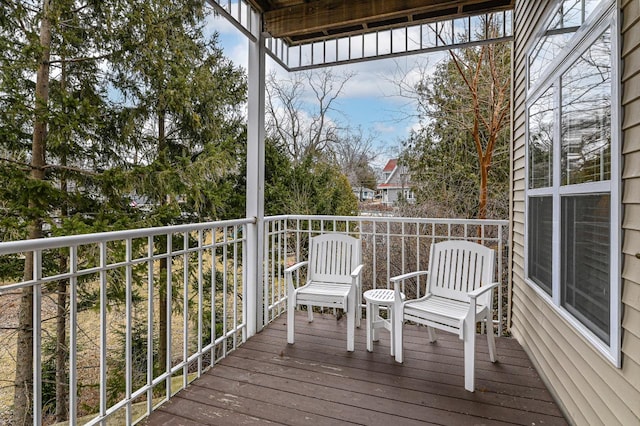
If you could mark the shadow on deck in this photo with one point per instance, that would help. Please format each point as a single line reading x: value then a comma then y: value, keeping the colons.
x: 316, y: 381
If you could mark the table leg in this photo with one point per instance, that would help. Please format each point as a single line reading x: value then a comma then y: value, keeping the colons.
x: 369, y: 327
x: 376, y: 321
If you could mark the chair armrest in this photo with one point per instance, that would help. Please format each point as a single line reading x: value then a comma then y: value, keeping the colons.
x: 408, y: 275
x: 478, y: 291
x: 400, y: 278
x: 357, y: 271
x: 295, y: 267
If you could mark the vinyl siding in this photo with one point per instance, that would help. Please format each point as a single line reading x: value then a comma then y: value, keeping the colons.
x: 587, y: 386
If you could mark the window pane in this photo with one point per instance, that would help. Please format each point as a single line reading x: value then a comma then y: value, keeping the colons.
x: 585, y: 260
x: 586, y: 116
x: 571, y: 13
x: 540, y: 239
x: 541, y: 141
x: 546, y: 50
x: 590, y: 6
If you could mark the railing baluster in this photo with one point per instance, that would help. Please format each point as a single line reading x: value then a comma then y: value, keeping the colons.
x: 103, y: 329
x: 499, y: 250
x: 201, y: 244
x: 150, y: 281
x: 403, y: 240
x: 225, y: 311
x: 388, y: 253
x: 73, y: 335
x: 185, y: 310
x: 214, y: 274
x: 235, y: 286
x: 278, y: 269
x: 244, y: 283
x: 417, y: 247
x: 169, y: 293
x: 286, y: 252
x: 375, y: 255
x: 37, y: 338
x: 129, y: 326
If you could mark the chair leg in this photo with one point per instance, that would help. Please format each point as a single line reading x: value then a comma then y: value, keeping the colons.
x: 432, y: 334
x: 351, y: 329
x: 491, y: 342
x: 359, y: 314
x: 398, y: 319
x: 291, y: 310
x: 392, y: 344
x: 469, y: 355
x: 310, y: 313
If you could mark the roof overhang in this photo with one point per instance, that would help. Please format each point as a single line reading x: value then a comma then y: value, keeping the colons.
x: 304, y: 21
x: 305, y: 34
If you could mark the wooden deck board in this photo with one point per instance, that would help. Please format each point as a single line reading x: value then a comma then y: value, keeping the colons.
x: 316, y: 381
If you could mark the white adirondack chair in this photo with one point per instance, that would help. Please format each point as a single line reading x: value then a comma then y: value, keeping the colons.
x: 459, y: 293
x: 333, y: 281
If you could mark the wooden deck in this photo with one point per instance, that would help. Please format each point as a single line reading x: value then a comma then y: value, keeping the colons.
x: 317, y: 382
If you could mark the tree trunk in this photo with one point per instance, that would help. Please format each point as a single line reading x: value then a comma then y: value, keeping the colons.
x: 23, y: 397
x: 62, y: 351
x: 484, y: 189
x: 162, y: 309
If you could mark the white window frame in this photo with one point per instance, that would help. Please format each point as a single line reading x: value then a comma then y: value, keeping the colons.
x: 606, y: 16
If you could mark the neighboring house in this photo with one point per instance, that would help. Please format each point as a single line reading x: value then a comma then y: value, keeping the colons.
x: 396, y: 184
x: 362, y: 193
x: 576, y: 203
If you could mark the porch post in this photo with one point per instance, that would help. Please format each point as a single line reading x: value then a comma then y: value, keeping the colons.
x: 255, y: 177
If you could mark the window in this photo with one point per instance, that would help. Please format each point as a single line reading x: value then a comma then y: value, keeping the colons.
x: 572, y: 171
x: 540, y: 241
x: 586, y: 116
x: 541, y: 141
x: 408, y: 194
x: 585, y: 265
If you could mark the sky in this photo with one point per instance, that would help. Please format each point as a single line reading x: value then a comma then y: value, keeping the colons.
x: 369, y: 100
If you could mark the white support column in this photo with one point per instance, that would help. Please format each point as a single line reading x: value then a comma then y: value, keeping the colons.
x: 255, y: 177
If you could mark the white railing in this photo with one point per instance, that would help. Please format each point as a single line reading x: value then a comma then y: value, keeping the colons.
x: 391, y: 246
x: 119, y: 369
x: 114, y: 283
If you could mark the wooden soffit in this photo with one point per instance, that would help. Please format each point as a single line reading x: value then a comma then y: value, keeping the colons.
x: 303, y: 21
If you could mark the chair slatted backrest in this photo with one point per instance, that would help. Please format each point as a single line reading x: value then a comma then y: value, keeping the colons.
x: 332, y: 258
x: 458, y: 267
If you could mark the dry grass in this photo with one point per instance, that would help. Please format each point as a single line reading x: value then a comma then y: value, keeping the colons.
x: 88, y: 352
x: 8, y: 319
x: 88, y: 339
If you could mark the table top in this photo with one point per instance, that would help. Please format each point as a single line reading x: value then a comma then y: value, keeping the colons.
x: 380, y: 295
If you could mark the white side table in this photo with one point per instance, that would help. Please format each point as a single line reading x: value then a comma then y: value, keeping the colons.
x: 374, y: 299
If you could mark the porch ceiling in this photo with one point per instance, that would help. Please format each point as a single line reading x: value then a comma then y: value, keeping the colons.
x: 304, y: 21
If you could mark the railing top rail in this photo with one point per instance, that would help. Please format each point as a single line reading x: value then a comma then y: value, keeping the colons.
x: 443, y: 221
x: 10, y: 247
